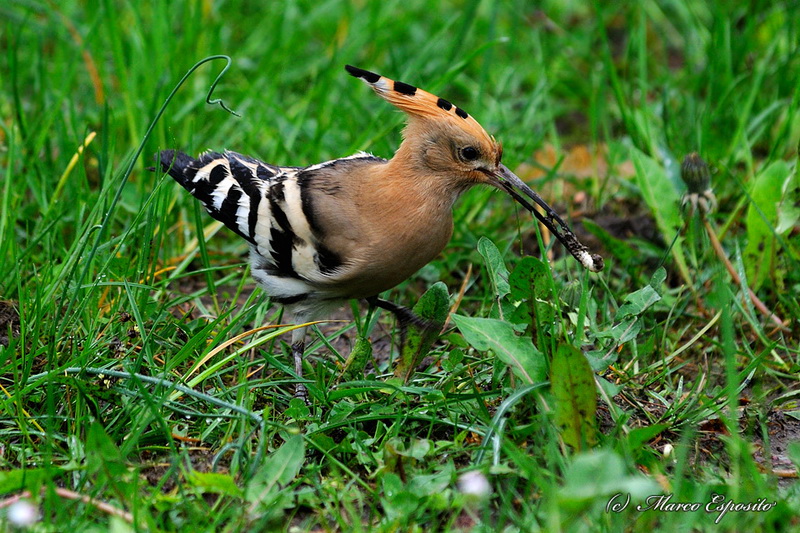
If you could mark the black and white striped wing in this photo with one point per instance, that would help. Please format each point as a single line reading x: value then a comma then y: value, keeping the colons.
x: 261, y: 203
x: 233, y: 188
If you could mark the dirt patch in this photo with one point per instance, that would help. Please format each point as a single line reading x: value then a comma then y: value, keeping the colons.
x: 335, y: 327
x: 708, y: 445
x: 156, y: 466
x: 782, y: 430
x: 9, y: 321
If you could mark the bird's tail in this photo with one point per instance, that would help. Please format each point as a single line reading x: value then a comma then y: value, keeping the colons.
x: 175, y: 163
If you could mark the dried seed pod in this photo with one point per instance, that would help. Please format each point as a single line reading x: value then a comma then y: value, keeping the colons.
x: 697, y: 177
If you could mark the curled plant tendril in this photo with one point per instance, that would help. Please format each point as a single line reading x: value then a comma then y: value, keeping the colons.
x: 123, y: 179
x: 216, y: 80
x: 161, y: 111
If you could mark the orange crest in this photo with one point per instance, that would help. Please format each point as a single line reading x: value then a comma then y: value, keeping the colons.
x: 418, y: 103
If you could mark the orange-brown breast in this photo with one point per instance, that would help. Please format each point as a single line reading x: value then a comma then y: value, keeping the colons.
x: 386, y: 222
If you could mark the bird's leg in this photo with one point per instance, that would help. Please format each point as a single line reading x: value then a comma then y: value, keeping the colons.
x: 405, y: 316
x: 298, y: 347
x: 300, y: 390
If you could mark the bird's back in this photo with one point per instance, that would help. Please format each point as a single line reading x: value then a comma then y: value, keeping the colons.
x: 294, y: 254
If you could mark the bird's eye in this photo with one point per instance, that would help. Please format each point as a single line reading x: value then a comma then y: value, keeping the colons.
x: 469, y: 153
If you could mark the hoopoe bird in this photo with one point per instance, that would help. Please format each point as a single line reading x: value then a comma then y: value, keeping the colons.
x: 354, y: 227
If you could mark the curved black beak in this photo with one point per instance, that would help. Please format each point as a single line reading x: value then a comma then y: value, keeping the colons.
x: 506, y: 180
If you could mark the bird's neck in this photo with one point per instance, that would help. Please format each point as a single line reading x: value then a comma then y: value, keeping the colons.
x: 406, y: 177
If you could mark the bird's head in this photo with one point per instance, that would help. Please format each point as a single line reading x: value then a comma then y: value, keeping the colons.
x: 443, y: 139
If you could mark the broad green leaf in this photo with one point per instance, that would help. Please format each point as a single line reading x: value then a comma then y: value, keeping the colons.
x: 530, y: 284
x: 625, y: 331
x: 117, y: 524
x: 794, y: 453
x: 789, y: 207
x: 638, y: 301
x: 572, y: 383
x: 769, y: 188
x: 432, y: 306
x: 434, y: 483
x: 397, y: 501
x: 214, y: 483
x: 416, y: 449
x: 26, y: 479
x: 101, y: 445
x: 341, y: 410
x: 297, y: 409
x: 638, y: 436
x: 658, y: 278
x: 106, y: 459
x: 518, y: 352
x: 663, y: 200
x: 358, y: 358
x: 452, y: 360
x: 278, y: 470
x: 595, y: 475
x: 609, y: 388
x: 498, y: 273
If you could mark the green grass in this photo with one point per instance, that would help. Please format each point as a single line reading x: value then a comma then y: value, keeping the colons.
x: 570, y: 392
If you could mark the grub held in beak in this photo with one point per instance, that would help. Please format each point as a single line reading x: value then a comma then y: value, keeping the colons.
x: 506, y: 180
